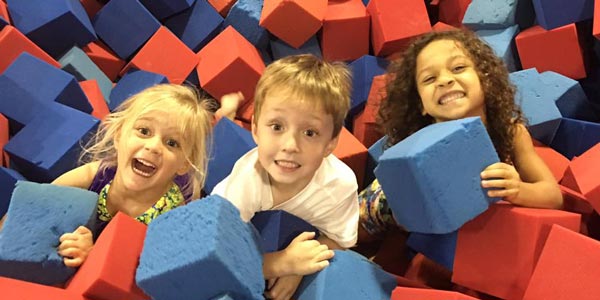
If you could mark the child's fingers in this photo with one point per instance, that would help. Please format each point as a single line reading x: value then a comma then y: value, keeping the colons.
x: 305, y: 236
x: 325, y: 255
x: 271, y: 282
x: 73, y: 262
x: 82, y: 230
x: 68, y: 236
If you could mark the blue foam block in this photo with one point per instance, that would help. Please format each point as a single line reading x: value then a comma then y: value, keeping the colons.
x: 197, y: 25
x: 551, y: 14
x: 124, y: 26
x: 200, y: 251
x: 569, y: 96
x: 574, y: 137
x: 37, y: 216
x: 438, y: 247
x: 131, y: 83
x: 54, y: 25
x: 3, y: 23
x: 537, y: 101
x: 165, y: 8
x: 501, y: 40
x: 49, y: 145
x: 490, y: 14
x: 223, y: 297
x: 278, y: 228
x: 18, y: 104
x: 363, y: 70
x: 349, y: 276
x: 374, y: 153
x: 78, y: 64
x: 281, y: 49
x: 244, y: 16
x: 8, y: 178
x: 51, y: 84
x: 230, y: 142
x: 431, y: 178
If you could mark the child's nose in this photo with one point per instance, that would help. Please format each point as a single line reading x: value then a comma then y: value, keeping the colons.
x: 290, y: 143
x: 445, y: 79
x: 153, y: 144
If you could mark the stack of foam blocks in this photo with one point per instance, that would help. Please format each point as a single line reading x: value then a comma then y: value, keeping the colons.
x: 65, y: 64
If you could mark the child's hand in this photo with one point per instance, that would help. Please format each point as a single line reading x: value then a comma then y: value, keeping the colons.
x: 306, y: 255
x: 75, y: 246
x: 503, y: 179
x: 283, y: 288
x: 229, y: 105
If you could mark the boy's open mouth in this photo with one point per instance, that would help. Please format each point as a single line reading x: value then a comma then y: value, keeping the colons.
x: 143, y: 167
x: 287, y: 164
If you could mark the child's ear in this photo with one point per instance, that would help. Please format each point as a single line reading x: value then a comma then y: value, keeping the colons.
x: 332, y: 145
x: 184, y: 169
x: 254, y: 135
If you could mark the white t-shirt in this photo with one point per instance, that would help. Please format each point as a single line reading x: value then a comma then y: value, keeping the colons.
x: 329, y: 201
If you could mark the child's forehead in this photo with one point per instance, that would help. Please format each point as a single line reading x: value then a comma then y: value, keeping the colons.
x: 293, y: 103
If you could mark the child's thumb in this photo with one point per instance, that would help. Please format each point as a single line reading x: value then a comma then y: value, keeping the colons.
x: 305, y: 236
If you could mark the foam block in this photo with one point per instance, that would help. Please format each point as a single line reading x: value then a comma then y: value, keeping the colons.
x: 51, y: 84
x: 17, y: 104
x: 37, y: 216
x: 132, y: 83
x: 13, y: 43
x: 91, y: 7
x: 125, y: 25
x: 165, y: 8
x: 8, y: 179
x: 555, y: 161
x: 400, y: 293
x: 95, y: 97
x: 106, y: 276
x: 345, y: 34
x: 596, y: 22
x: 105, y: 59
x: 451, y: 12
x: 165, y: 54
x: 584, y: 179
x: 489, y: 14
x: 23, y: 290
x: 293, y: 21
x: 364, y: 70
x: 278, y: 228
x: 222, y: 6
x: 353, y: 153
x: 244, y: 16
x: 241, y: 64
x: 437, y: 247
x: 574, y: 137
x: 281, y: 49
x: 555, y: 50
x: 3, y: 140
x: 55, y: 26
x: 365, y: 127
x: 224, y: 156
x: 508, y: 240
x: 78, y: 64
x: 225, y: 256
x: 58, y: 135
x: 431, y: 179
x: 538, y: 104
x: 196, y: 26
x: 551, y: 14
x: 388, y: 31
x: 566, y: 256
x: 349, y: 276
x: 374, y: 152
x: 223, y: 297
x: 501, y: 41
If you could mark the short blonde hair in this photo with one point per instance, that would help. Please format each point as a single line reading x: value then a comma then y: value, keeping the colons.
x: 194, y: 121
x: 325, y: 85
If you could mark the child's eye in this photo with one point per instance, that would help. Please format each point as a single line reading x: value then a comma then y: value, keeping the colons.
x: 428, y: 79
x: 458, y: 68
x: 276, y: 127
x: 143, y: 131
x: 172, y: 143
x: 310, y: 133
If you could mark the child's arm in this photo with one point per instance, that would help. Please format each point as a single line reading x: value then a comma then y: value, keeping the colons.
x: 529, y: 183
x: 80, y: 177
x: 229, y: 106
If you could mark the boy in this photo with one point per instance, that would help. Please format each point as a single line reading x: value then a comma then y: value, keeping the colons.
x: 299, y: 109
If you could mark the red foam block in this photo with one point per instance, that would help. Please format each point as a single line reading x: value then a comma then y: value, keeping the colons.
x: 567, y: 268
x: 555, y: 50
x: 293, y: 21
x: 3, y: 140
x: 393, y: 28
x: 365, y: 123
x: 402, y: 293
x: 109, y: 271
x: 164, y: 54
x: 105, y: 59
x: 12, y: 289
x: 95, y: 97
x: 222, y: 6
x: 353, y: 153
x: 230, y: 63
x: 452, y: 12
x: 596, y: 26
x: 4, y: 12
x: 497, y: 251
x: 583, y: 178
x: 345, y: 34
x: 13, y: 43
x: 91, y: 7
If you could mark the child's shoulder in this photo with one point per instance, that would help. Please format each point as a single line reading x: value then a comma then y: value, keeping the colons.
x: 335, y: 171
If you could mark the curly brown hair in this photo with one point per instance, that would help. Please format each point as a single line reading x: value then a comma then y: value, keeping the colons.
x: 400, y: 114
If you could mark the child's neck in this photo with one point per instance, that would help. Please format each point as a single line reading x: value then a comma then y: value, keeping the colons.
x: 132, y: 203
x: 283, y: 192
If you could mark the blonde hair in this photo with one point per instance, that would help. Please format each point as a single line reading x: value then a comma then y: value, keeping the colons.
x: 194, y: 121
x: 322, y: 84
